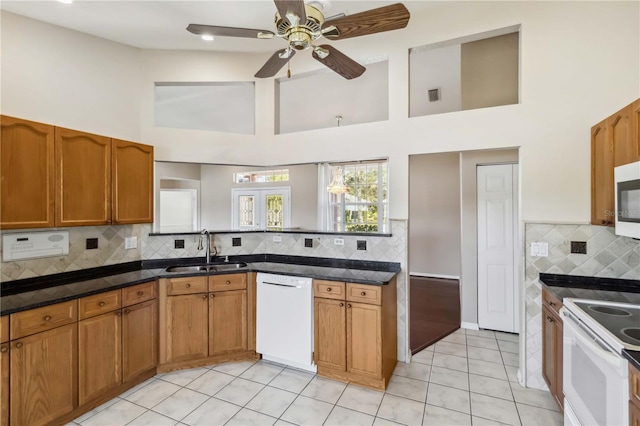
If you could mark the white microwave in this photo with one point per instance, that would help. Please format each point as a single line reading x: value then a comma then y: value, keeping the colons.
x: 627, y: 199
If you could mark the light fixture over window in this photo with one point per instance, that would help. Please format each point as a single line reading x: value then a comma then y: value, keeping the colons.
x: 337, y: 185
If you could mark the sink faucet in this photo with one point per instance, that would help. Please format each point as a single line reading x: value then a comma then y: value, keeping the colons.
x: 207, y: 248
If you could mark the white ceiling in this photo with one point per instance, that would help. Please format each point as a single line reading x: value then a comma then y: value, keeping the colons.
x: 161, y: 24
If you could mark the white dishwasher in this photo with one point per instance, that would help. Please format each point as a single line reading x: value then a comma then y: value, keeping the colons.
x: 284, y: 320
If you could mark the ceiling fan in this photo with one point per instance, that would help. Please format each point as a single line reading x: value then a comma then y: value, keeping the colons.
x: 302, y: 24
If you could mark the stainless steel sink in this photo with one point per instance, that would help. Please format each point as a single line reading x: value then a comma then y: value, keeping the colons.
x: 228, y: 266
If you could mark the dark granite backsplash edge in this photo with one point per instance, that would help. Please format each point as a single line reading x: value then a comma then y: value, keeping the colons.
x: 594, y: 283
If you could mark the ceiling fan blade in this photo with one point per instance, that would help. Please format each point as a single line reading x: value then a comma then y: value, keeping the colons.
x: 339, y: 62
x: 372, y: 21
x: 292, y: 7
x: 228, y: 31
x: 275, y: 63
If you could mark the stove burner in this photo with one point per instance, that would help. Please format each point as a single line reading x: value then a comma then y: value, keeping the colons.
x: 610, y: 311
x: 632, y: 332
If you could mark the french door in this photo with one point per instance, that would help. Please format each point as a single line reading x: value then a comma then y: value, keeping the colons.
x: 264, y: 208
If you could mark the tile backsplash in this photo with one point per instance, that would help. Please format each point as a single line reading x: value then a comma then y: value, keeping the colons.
x: 608, y: 255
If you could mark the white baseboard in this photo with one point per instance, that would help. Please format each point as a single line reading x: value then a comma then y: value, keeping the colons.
x: 422, y: 274
x: 469, y: 325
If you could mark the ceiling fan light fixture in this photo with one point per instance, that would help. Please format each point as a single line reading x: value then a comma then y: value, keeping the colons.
x: 337, y: 185
x: 207, y: 37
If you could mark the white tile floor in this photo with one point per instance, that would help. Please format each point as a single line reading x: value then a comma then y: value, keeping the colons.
x: 467, y: 378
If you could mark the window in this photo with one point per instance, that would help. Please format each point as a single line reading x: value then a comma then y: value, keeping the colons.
x: 268, y: 208
x: 365, y: 205
x: 262, y: 176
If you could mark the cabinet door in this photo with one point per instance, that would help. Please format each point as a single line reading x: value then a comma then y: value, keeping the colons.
x: 26, y: 174
x: 132, y: 182
x: 99, y: 355
x: 139, y: 339
x: 4, y: 384
x: 619, y: 130
x: 635, y: 127
x: 187, y: 331
x: 227, y: 321
x: 602, y: 208
x: 364, y: 339
x: 44, y: 374
x: 83, y: 178
x: 549, y: 341
x: 330, y: 333
x: 634, y: 414
x: 558, y: 361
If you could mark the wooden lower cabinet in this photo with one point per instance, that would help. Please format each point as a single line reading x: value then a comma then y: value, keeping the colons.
x: 44, y: 373
x: 634, y: 414
x: 99, y: 355
x: 186, y: 330
x: 552, y: 353
x: 227, y: 322
x: 355, y: 341
x: 139, y: 339
x: 4, y: 384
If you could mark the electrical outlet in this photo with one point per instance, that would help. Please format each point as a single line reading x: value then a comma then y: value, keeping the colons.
x: 308, y: 242
x: 178, y: 244
x: 338, y: 241
x: 92, y: 243
x: 361, y: 244
x: 130, y: 243
x: 277, y: 239
x: 540, y: 249
x: 579, y: 247
x: 236, y: 241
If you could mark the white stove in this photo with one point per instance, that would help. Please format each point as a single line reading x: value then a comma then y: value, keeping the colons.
x: 595, y: 374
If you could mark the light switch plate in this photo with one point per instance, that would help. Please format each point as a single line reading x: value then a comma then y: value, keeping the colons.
x: 130, y: 243
x: 540, y: 249
x: 277, y: 239
x: 338, y: 241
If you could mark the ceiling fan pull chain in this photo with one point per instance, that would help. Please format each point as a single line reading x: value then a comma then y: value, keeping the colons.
x: 289, y: 69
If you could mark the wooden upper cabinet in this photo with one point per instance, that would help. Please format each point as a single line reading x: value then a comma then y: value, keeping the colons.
x: 635, y: 127
x: 83, y: 178
x: 27, y: 174
x: 619, y: 126
x: 602, y: 208
x: 132, y: 182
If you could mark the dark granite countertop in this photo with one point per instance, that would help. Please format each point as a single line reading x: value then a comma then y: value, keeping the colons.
x: 595, y: 288
x: 36, y: 292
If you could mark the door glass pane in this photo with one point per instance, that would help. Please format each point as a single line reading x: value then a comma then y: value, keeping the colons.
x: 246, y: 210
x: 275, y: 211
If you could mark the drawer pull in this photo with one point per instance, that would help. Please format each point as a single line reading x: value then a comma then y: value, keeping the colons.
x: 140, y: 293
x: 212, y: 295
x: 187, y: 285
x: 348, y: 305
x: 4, y: 349
x: 363, y: 294
x: 47, y: 318
x: 227, y: 282
x: 101, y: 304
x: 328, y: 289
x: 19, y: 345
x: 204, y: 296
x: 341, y: 305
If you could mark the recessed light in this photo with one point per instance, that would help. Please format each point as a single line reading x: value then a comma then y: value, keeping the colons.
x: 66, y: 1
x: 207, y: 37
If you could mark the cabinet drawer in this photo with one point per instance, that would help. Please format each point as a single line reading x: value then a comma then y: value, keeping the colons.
x: 4, y: 329
x: 548, y: 299
x: 98, y: 304
x: 42, y: 319
x: 138, y: 293
x: 188, y: 285
x: 227, y: 282
x: 634, y: 384
x: 328, y: 289
x: 364, y: 293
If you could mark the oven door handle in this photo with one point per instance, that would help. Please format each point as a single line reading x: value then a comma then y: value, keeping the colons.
x: 592, y: 341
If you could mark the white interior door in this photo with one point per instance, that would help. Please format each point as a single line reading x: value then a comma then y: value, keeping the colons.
x: 497, y: 219
x: 264, y: 208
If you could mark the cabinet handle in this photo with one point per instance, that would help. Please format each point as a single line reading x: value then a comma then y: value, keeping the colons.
x: 328, y: 289
x: 552, y: 303
x: 341, y: 305
x: 47, y: 318
x: 348, y: 305
x: 101, y: 304
x: 4, y: 349
x: 227, y: 282
x: 363, y: 294
x: 140, y: 293
x: 212, y: 295
x: 187, y: 285
x: 126, y: 311
x: 550, y: 319
x: 204, y: 296
x: 118, y: 313
x: 19, y: 345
